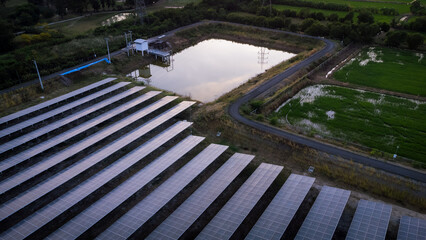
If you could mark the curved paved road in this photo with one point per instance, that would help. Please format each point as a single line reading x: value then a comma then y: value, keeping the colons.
x: 234, y: 112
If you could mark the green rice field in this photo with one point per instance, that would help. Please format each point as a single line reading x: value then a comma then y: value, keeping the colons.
x: 391, y: 69
x: 377, y: 121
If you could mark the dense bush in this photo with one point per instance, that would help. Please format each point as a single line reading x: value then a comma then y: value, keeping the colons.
x: 395, y: 38
x: 415, y: 40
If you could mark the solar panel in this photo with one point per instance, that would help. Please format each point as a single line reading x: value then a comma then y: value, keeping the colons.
x: 54, y: 101
x: 411, y: 228
x: 55, y: 125
x: 277, y: 216
x: 370, y: 221
x: 31, y: 152
x: 42, y: 166
x: 29, y: 225
x: 324, y: 215
x: 69, y: 173
x: 230, y: 217
x: 59, y: 110
x: 145, y: 209
x: 184, y: 216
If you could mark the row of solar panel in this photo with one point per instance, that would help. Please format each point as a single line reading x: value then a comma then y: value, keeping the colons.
x: 53, y: 102
x: 370, y: 220
x: 60, y: 110
x: 15, y: 205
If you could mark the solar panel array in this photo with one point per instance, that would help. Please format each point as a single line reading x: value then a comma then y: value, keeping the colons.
x: 229, y: 218
x: 324, y: 215
x: 84, y: 189
x: 22, y: 200
x: 31, y: 152
x: 49, y: 128
x: 60, y: 110
x: 184, y: 216
x: 65, y: 214
x: 42, y: 166
x: 277, y: 216
x: 54, y: 101
x: 370, y: 221
x: 117, y: 196
x: 125, y: 226
x: 411, y: 228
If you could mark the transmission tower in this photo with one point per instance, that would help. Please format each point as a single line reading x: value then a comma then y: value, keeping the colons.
x: 140, y: 9
x: 262, y: 57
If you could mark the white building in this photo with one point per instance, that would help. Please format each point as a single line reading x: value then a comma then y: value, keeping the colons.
x: 141, y: 45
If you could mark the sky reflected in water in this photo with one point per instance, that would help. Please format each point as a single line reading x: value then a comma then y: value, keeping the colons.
x: 116, y: 18
x: 211, y: 68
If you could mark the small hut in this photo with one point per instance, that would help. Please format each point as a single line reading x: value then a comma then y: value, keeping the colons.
x: 141, y: 45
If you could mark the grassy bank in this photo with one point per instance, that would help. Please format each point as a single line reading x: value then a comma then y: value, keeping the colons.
x: 378, y: 121
x: 391, y: 69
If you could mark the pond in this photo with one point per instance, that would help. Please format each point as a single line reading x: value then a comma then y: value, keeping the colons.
x: 211, y: 68
x: 116, y: 18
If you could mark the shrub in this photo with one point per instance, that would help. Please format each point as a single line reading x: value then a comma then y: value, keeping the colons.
x: 415, y: 40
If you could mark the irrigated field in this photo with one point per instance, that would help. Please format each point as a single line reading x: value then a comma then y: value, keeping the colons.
x: 374, y: 120
x: 390, y: 69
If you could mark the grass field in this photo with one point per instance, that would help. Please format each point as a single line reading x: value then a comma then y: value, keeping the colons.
x: 374, y: 120
x: 82, y: 25
x: 391, y: 69
x: 401, y: 8
x: 377, y: 17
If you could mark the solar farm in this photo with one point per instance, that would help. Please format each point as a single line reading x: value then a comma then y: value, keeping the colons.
x: 109, y: 161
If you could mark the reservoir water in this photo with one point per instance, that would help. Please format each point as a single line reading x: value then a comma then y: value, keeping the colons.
x: 211, y: 68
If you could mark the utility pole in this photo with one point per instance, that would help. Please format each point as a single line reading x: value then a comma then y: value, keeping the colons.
x: 140, y: 9
x: 109, y: 56
x: 127, y: 44
x: 38, y: 73
x: 131, y: 42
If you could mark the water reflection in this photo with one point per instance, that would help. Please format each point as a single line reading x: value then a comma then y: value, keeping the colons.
x: 115, y: 18
x: 211, y: 68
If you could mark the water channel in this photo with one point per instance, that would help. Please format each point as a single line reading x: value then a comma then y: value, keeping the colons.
x: 211, y: 68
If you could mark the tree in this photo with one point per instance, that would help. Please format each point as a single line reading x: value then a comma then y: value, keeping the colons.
x: 333, y: 17
x: 6, y: 36
x: 77, y: 6
x: 349, y: 17
x: 340, y: 30
x: 27, y: 15
x: 60, y: 7
x: 395, y: 38
x: 3, y: 2
x: 365, y: 17
x: 319, y: 16
x: 36, y: 2
x: 416, y: 7
x: 317, y: 29
x: 415, y: 40
x: 276, y: 22
x: 306, y: 23
x: 384, y: 26
x: 130, y: 3
x: 366, y: 31
x: 419, y: 24
x: 95, y: 5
